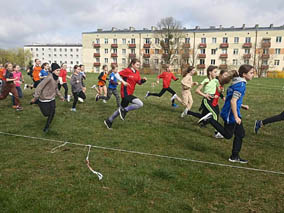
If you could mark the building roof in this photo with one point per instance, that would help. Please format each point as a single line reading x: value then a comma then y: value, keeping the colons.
x: 53, y: 45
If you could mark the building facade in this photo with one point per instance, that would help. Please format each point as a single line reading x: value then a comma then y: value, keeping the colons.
x: 226, y: 48
x: 70, y: 54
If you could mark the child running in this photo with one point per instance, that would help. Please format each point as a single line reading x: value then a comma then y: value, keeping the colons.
x: 45, y: 95
x: 63, y: 81
x: 130, y: 75
x: 230, y: 113
x: 36, y: 70
x: 10, y: 86
x: 77, y: 87
x: 44, y: 72
x: 102, y: 82
x: 186, y: 84
x: 2, y: 74
x: 260, y: 123
x: 113, y: 82
x: 167, y: 76
x: 19, y: 80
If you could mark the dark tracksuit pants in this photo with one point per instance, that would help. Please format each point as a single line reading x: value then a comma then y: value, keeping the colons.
x: 170, y: 90
x: 273, y: 119
x: 111, y: 91
x: 48, y: 110
x: 10, y: 87
x: 76, y: 96
x: 64, y: 85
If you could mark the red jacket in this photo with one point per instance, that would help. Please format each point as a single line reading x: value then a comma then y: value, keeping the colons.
x: 167, y: 77
x: 132, y: 78
x: 63, y: 75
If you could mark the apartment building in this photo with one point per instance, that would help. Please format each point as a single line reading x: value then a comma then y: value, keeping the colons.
x: 70, y: 54
x: 226, y: 48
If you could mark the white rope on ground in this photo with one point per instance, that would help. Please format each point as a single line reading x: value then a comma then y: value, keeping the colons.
x: 55, y: 148
x: 149, y: 154
x: 100, y: 176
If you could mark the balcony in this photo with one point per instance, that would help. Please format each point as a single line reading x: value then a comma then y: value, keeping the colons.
x: 97, y: 45
x: 97, y: 55
x: 201, y: 55
x: 132, y: 55
x: 97, y: 64
x: 265, y: 56
x: 223, y: 66
x: 132, y: 45
x: 247, y: 45
x: 264, y: 67
x: 185, y: 55
x: 186, y: 45
x: 164, y: 66
x: 147, y: 45
x: 113, y: 64
x: 114, y: 45
x: 202, y: 45
x: 265, y: 45
x: 200, y: 66
x: 247, y: 56
x: 146, y: 65
x: 224, y: 55
x: 146, y: 55
x: 114, y: 55
x: 165, y: 55
x: 224, y: 45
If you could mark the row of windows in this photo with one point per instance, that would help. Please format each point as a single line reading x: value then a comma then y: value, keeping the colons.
x: 55, y: 55
x: 55, y: 49
x: 238, y: 62
x: 61, y: 62
x: 186, y: 40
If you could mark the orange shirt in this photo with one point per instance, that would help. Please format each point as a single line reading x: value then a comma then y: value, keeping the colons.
x: 36, y: 73
x: 2, y: 73
x: 104, y: 78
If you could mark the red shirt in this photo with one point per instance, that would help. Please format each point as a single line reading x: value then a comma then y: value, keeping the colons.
x: 217, y: 95
x: 167, y: 77
x: 132, y: 78
x: 63, y: 75
x: 2, y: 74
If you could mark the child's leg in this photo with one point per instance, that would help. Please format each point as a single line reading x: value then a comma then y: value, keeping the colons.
x: 51, y: 106
x: 105, y: 90
x: 238, y: 140
x: 82, y: 95
x: 100, y: 90
x: 14, y: 91
x: 66, y: 90
x: 273, y: 119
x: 5, y: 91
x: 136, y: 104
x: 75, y: 99
x: 227, y: 131
x: 158, y: 94
x: 115, y: 92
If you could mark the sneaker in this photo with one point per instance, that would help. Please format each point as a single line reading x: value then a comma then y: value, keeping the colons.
x: 105, y: 101
x: 122, y: 113
x: 174, y: 97
x: 257, y: 126
x: 19, y: 108
x: 93, y: 87
x: 45, y: 130
x: 81, y: 100
x: 108, y: 123
x: 174, y: 105
x: 237, y: 160
x: 219, y: 135
x: 68, y: 98
x: 25, y: 86
x: 184, y: 113
x: 97, y: 97
x: 10, y: 94
x: 147, y: 94
x: 73, y: 110
x: 206, y: 117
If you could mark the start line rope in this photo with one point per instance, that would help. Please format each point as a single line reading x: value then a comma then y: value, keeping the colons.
x: 100, y: 176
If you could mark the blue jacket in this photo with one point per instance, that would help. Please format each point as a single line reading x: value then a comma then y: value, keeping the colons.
x: 112, y: 81
x: 237, y: 90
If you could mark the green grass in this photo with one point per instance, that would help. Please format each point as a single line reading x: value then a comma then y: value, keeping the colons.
x: 34, y: 180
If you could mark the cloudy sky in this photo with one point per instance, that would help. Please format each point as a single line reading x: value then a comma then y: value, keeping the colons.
x: 63, y: 21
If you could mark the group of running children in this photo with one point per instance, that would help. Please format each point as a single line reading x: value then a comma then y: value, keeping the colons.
x: 48, y: 81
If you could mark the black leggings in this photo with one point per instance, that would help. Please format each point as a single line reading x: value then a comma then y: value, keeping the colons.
x: 273, y: 119
x: 65, y: 88
x: 170, y: 90
x: 76, y: 96
x: 48, y: 110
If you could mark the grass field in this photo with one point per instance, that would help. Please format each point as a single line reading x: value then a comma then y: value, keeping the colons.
x: 34, y: 180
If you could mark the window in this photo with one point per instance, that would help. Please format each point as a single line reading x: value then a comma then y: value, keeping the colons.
x: 202, y: 61
x: 98, y: 60
x: 235, y: 61
x: 248, y: 40
x: 278, y: 39
x: 106, y: 51
x: 66, y: 56
x: 147, y: 51
x: 42, y: 49
x: 97, y: 69
x: 124, y: 60
x: 77, y: 56
x: 225, y: 39
x: 115, y: 41
x: 114, y: 60
x: 246, y: 61
x: 157, y: 41
x: 71, y: 50
x: 214, y: 40
x: 114, y: 50
x: 202, y: 51
x: 276, y: 62
x: 106, y: 60
x: 133, y: 41
x: 77, y: 50
x: 224, y: 51
x: 60, y: 50
x: 212, y: 61
x: 31, y: 49
x: 60, y: 55
x: 264, y: 62
x: 247, y: 51
x: 203, y: 40
x: 147, y: 40
x: 213, y: 51
x: 53, y: 55
x: 77, y: 62
x: 71, y: 56
x: 97, y: 50
x: 42, y: 53
x: 132, y: 51
x: 224, y: 61
x: 97, y: 40
x: 123, y: 51
x: 236, y: 51
x: 236, y: 40
x: 106, y: 41
x: 49, y: 55
x: 265, y: 51
x: 123, y: 41
x: 277, y: 51
x: 187, y: 40
x: 54, y: 50
x: 36, y: 49
x: 176, y: 51
x: 60, y: 62
x: 65, y: 49
x: 156, y: 61
x: 156, y: 51
x: 146, y: 61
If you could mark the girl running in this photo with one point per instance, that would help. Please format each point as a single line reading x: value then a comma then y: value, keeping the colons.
x: 10, y: 86
x: 77, y: 87
x: 102, y: 82
x: 231, y: 114
x: 19, y: 80
x: 36, y: 70
x: 167, y: 76
x: 186, y: 84
x: 44, y: 72
x: 132, y: 77
x: 45, y: 95
x: 63, y: 80
x: 2, y: 74
x: 260, y: 123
